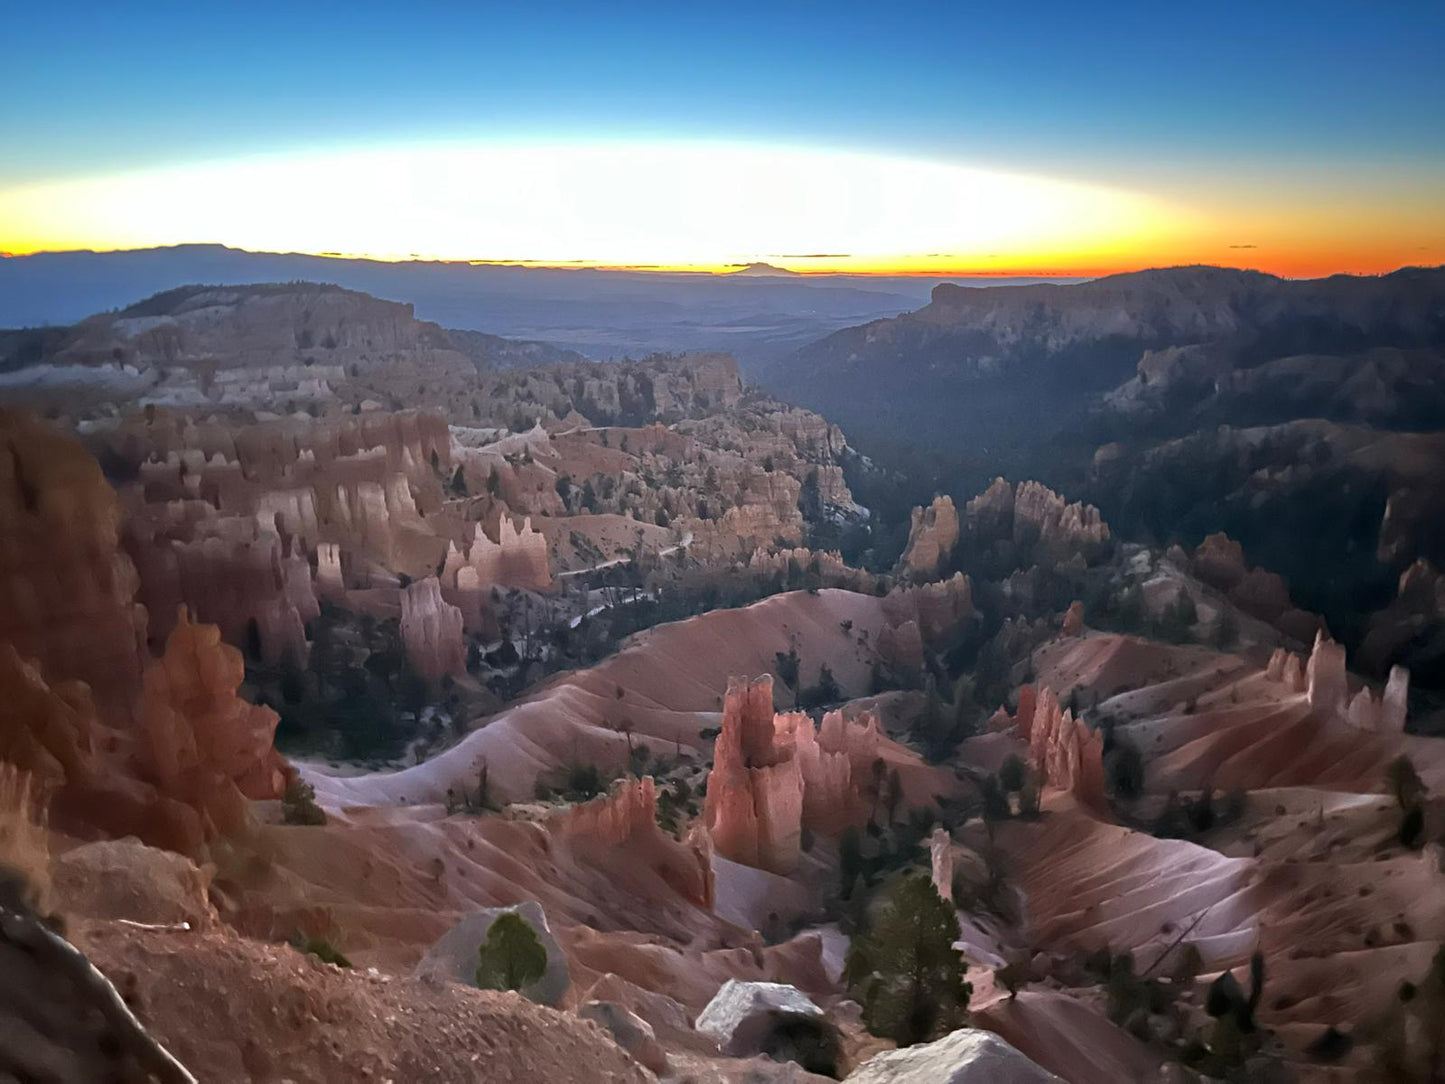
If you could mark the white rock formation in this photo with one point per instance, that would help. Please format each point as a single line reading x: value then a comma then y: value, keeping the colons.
x: 966, y: 1056
x: 742, y: 1015
x: 453, y: 956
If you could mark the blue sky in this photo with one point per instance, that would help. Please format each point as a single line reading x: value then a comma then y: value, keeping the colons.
x: 1194, y: 99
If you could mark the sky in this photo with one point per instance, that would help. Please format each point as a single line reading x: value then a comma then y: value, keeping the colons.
x: 998, y: 138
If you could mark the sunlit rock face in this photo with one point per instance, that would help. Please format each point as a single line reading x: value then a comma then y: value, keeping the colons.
x: 1326, y: 684
x: 431, y: 629
x: 517, y: 559
x: 754, y: 807
x: 1067, y: 755
x: 1325, y: 676
x: 627, y: 817
x: 178, y: 776
x: 207, y: 746
x: 931, y: 538
x: 940, y: 854
x: 236, y: 575
x: 774, y: 773
x: 67, y: 592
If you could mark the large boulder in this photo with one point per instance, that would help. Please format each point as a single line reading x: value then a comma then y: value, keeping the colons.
x: 125, y: 879
x: 966, y: 1056
x: 744, y: 1018
x: 629, y: 1031
x: 453, y: 957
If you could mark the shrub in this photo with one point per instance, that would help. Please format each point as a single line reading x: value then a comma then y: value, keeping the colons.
x: 825, y: 692
x: 298, y: 804
x: 512, y: 956
x: 1405, y: 783
x: 323, y: 950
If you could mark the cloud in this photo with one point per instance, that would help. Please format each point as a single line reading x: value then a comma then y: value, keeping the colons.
x: 809, y: 256
x: 1243, y: 246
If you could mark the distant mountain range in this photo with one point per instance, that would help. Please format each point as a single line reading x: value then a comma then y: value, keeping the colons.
x: 1010, y: 363
x: 758, y: 314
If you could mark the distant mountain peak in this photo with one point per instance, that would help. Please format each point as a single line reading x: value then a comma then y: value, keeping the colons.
x: 760, y: 269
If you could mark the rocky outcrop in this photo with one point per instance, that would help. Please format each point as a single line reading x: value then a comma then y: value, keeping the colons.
x: 627, y: 816
x: 629, y: 1031
x: 431, y: 629
x: 454, y: 956
x: 965, y: 1056
x: 1067, y: 755
x: 1285, y: 667
x: 178, y: 776
x: 517, y: 559
x: 1073, y: 623
x: 742, y: 1016
x: 235, y: 574
x: 754, y: 806
x: 125, y: 879
x: 900, y: 647
x: 938, y: 608
x: 205, y: 746
x: 932, y: 536
x: 1219, y: 562
x: 940, y: 854
x: 1035, y: 517
x: 772, y: 774
x: 1326, y: 682
x: 49, y: 730
x: 1386, y: 713
x: 67, y: 592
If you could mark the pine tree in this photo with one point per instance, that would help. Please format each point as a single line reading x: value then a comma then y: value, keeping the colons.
x: 906, y: 972
x: 512, y: 955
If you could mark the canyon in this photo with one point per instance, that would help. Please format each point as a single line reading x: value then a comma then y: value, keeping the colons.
x: 327, y: 645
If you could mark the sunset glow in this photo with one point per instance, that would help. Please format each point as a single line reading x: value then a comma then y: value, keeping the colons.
x: 923, y: 141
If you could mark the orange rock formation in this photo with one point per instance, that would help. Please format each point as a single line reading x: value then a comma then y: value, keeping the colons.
x: 628, y: 815
x: 773, y: 774
x: 931, y: 538
x: 1065, y: 752
x: 206, y: 746
x: 67, y: 593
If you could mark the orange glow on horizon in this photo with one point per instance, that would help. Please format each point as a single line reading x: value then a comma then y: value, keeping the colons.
x: 1305, y: 263
x: 713, y: 208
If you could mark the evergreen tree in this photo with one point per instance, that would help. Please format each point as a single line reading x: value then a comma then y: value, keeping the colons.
x: 512, y: 955
x: 906, y: 972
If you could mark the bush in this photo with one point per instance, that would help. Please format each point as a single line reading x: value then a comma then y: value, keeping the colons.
x: 512, y: 955
x: 298, y: 804
x: 323, y: 950
x: 825, y: 692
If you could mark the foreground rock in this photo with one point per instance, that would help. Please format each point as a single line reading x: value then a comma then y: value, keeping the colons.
x: 629, y: 1031
x: 454, y: 957
x: 231, y: 1009
x: 744, y: 1017
x: 967, y: 1056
